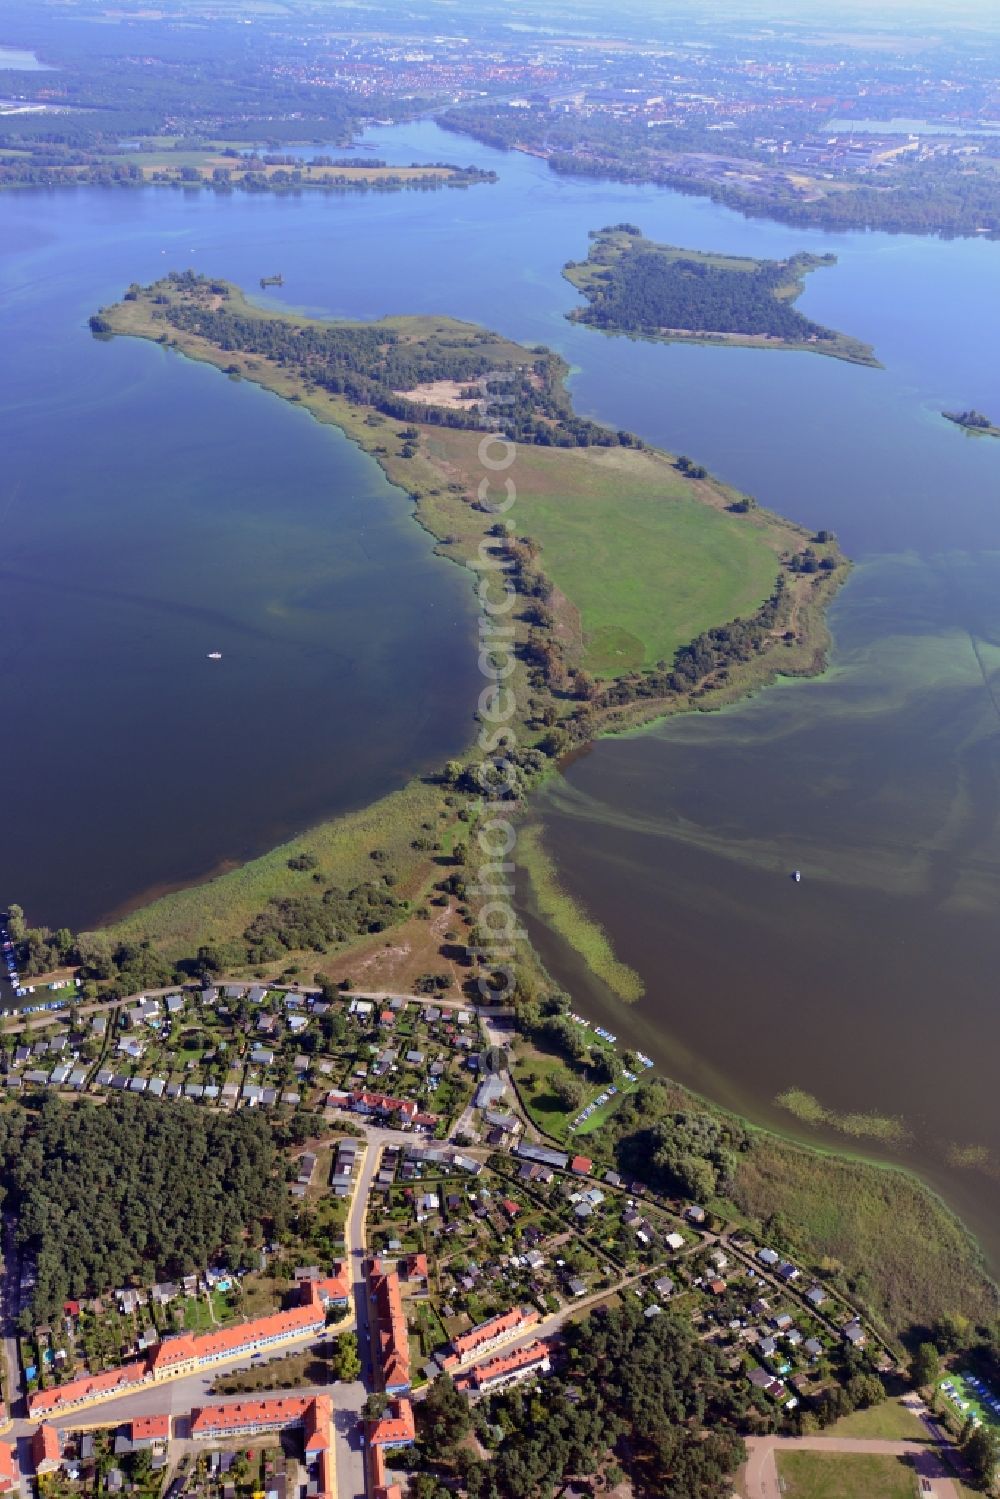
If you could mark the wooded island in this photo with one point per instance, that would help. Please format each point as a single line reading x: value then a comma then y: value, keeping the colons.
x: 636, y: 286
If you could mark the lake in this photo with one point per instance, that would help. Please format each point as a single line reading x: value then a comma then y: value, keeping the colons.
x: 20, y: 61
x: 176, y: 512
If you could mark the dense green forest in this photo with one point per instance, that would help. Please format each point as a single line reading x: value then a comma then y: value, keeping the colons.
x: 133, y: 1188
x: 636, y: 286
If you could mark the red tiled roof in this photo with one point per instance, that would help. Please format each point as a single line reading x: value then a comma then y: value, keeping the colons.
x: 335, y: 1287
x: 8, y: 1465
x: 415, y: 1267
x: 188, y: 1347
x: 318, y: 1422
x: 151, y: 1428
x: 45, y: 1446
x: 393, y: 1340
x: 87, y: 1387
x: 384, y: 1102
x: 397, y: 1425
x: 381, y: 1489
x: 582, y: 1165
x: 504, y: 1363
x: 468, y: 1342
x: 215, y: 1420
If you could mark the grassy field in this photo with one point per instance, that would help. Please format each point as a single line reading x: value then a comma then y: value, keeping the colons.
x: 223, y: 907
x: 891, y: 1421
x: 838, y: 1475
x: 534, y: 1073
x: 647, y: 563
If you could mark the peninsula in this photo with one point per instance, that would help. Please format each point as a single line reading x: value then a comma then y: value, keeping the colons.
x: 638, y: 287
x: 642, y: 585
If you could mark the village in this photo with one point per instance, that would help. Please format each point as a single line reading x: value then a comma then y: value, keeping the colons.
x: 434, y: 1231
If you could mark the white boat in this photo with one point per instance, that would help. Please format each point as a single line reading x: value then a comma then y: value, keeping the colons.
x: 797, y: 876
x: 215, y: 655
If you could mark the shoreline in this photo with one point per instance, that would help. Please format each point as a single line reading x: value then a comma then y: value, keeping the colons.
x: 808, y: 657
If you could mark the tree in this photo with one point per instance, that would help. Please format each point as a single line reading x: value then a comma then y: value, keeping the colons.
x: 982, y: 1453
x: 16, y: 924
x: 444, y: 1416
x: 568, y: 1093
x: 346, y: 1362
x: 376, y: 1405
x: 925, y: 1366
x: 864, y: 1390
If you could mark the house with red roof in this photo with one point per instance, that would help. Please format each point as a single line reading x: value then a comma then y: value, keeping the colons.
x: 334, y: 1290
x: 414, y: 1267
x: 380, y: 1488
x: 46, y: 1451
x: 395, y: 1428
x: 149, y: 1431
x: 505, y: 1369
x: 188, y: 1352
x: 246, y: 1418
x: 10, y: 1474
x: 391, y: 1339
x: 582, y: 1165
x: 88, y: 1389
x: 490, y: 1334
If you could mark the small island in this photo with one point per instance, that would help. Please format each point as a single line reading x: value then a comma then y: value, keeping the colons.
x: 973, y: 421
x: 648, y: 290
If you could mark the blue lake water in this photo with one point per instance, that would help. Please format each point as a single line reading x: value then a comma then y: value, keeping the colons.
x: 21, y: 61
x: 153, y: 511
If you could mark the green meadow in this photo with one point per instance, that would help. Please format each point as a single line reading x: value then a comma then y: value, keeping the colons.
x: 646, y: 561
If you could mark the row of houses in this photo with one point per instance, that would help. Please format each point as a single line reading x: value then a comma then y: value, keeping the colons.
x: 313, y: 1415
x: 490, y: 1334
x: 506, y: 1369
x: 74, y: 1078
x: 186, y: 1353
x: 391, y: 1340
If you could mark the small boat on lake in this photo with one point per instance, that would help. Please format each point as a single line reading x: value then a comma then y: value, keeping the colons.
x: 215, y: 655
x: 797, y: 876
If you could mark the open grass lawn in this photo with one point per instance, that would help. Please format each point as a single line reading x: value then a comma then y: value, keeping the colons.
x: 197, y: 1316
x: 890, y: 1421
x: 534, y: 1073
x: 647, y: 563
x: 839, y: 1475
